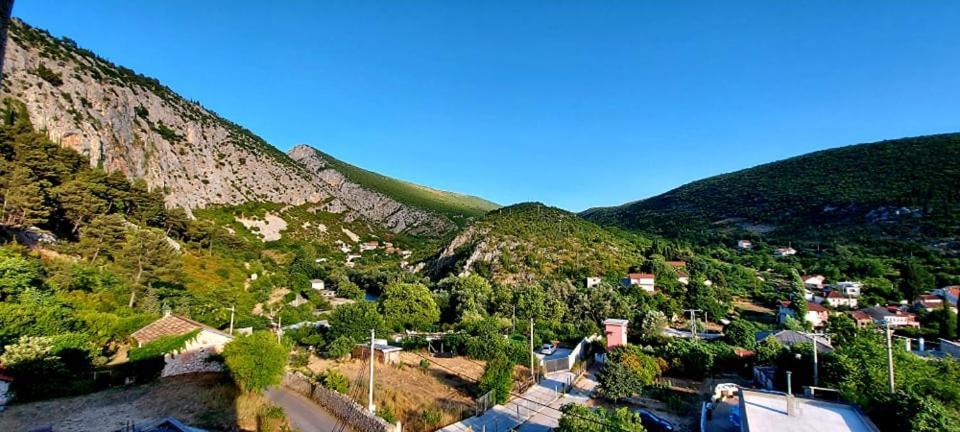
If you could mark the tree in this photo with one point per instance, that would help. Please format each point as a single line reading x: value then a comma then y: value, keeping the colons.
x: 24, y: 200
x: 147, y: 257
x: 741, y: 333
x: 626, y: 372
x: 469, y: 296
x: 579, y: 418
x: 769, y: 350
x: 334, y: 380
x: 948, y: 322
x: 409, y: 306
x: 340, y: 347
x: 80, y: 200
x: 18, y: 274
x: 103, y: 236
x: 914, y: 279
x: 497, y: 377
x: 255, y: 361
x: 652, y: 325
x: 354, y: 321
x: 841, y: 328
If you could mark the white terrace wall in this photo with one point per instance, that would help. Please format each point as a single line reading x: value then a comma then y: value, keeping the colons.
x: 193, y: 358
x: 341, y: 406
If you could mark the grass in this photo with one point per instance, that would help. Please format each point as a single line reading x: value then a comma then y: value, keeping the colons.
x: 458, y: 207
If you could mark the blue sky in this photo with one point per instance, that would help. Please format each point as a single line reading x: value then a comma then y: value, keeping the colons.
x: 575, y: 104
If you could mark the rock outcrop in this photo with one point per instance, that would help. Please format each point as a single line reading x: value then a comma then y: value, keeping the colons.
x: 130, y: 123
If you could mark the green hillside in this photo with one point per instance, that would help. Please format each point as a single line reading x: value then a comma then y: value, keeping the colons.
x: 817, y: 195
x: 457, y: 206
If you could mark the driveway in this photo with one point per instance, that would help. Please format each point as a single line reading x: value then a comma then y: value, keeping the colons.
x: 516, y: 411
x: 548, y: 419
x: 303, y: 414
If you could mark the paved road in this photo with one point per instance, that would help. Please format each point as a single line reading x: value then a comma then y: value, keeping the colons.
x: 516, y: 411
x: 548, y: 419
x: 304, y: 415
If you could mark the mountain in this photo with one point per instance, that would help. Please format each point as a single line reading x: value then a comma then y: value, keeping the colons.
x: 530, y: 242
x: 126, y: 122
x: 902, y: 188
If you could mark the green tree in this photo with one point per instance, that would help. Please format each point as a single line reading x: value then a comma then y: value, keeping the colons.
x: 24, y: 199
x: 255, y: 361
x: 626, y: 372
x: 80, y: 200
x: 409, y: 306
x: 103, y: 236
x: 340, y: 347
x: 334, y: 380
x: 948, y: 322
x: 355, y: 320
x: 18, y: 274
x: 469, y: 296
x: 652, y: 325
x: 914, y: 279
x: 741, y: 333
x: 497, y: 377
x: 579, y: 418
x: 769, y: 350
x: 147, y: 257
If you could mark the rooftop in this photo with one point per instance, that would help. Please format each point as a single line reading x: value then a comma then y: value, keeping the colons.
x: 641, y: 276
x: 791, y: 337
x: 170, y: 325
x: 613, y: 321
x: 767, y: 411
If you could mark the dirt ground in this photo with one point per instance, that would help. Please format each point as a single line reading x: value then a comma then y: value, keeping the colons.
x: 409, y: 391
x: 207, y: 401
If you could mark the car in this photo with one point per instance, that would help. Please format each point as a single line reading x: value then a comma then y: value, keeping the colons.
x: 548, y: 349
x: 653, y: 423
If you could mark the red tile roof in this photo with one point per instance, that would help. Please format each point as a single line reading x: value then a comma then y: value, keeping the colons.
x: 860, y: 316
x: 641, y: 276
x: 170, y: 325
x: 815, y: 307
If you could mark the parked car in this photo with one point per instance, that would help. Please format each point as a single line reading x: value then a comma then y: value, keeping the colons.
x: 653, y: 423
x: 548, y: 349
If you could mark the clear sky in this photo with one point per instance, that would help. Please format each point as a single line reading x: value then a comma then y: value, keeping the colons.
x: 575, y: 104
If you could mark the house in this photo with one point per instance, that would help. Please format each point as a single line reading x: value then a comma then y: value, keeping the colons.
x: 813, y: 281
x: 782, y: 252
x: 949, y: 293
x: 848, y: 288
x: 643, y: 280
x: 744, y: 244
x: 369, y: 246
x: 385, y: 353
x: 834, y: 299
x: 928, y: 302
x: 193, y: 356
x: 816, y: 314
x: 317, y: 284
x: 616, y: 331
x: 861, y: 319
x: 683, y: 277
x: 891, y: 315
x: 328, y: 293
x: 593, y: 281
x: 791, y: 338
x: 5, y: 382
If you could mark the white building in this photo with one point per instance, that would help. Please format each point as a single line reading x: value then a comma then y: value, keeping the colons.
x: 835, y: 299
x: 813, y: 281
x: 593, y: 281
x: 848, y: 288
x: 193, y: 356
x: 317, y: 284
x: 744, y: 244
x: 782, y: 252
x: 644, y: 280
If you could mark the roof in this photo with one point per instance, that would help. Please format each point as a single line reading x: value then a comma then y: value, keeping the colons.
x: 171, y: 325
x: 764, y: 411
x: 681, y: 273
x: 815, y: 307
x: 614, y: 321
x: 805, y: 277
x: 881, y: 312
x: 641, y: 276
x: 384, y: 348
x: 677, y: 263
x: 860, y: 316
x: 791, y: 337
x: 166, y: 424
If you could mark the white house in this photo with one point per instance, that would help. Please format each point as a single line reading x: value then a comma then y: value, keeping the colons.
x: 744, y: 244
x: 813, y: 281
x: 835, y: 299
x: 683, y: 277
x: 644, y: 280
x: 317, y: 284
x: 369, y: 246
x: 816, y: 314
x: 782, y: 252
x: 193, y: 356
x: 891, y: 315
x: 848, y: 288
x: 593, y: 281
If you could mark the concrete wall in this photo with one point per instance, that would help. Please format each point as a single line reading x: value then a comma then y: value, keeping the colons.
x: 193, y: 358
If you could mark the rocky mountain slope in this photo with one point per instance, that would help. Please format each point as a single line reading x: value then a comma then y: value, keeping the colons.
x: 905, y: 188
x: 130, y: 123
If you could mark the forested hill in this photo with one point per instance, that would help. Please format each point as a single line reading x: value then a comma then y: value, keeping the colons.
x: 907, y: 186
x: 128, y: 123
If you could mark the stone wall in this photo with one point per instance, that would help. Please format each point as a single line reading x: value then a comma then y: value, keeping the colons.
x: 341, y: 406
x: 191, y: 361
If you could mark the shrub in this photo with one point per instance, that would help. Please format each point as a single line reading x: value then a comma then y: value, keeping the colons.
x: 387, y: 414
x: 49, y: 75
x: 334, y: 380
x: 497, y: 377
x: 255, y: 361
x: 340, y: 347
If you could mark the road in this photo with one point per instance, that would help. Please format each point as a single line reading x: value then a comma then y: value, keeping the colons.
x: 516, y: 411
x: 549, y: 419
x: 303, y: 414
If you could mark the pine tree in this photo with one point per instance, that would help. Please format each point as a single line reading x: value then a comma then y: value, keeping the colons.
x: 102, y: 237
x: 24, y: 202
x: 148, y: 257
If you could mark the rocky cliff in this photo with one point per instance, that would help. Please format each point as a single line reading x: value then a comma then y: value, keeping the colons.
x: 130, y: 123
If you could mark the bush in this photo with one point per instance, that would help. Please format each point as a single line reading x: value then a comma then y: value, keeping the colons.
x: 497, y: 377
x: 387, y: 414
x: 334, y: 380
x: 340, y: 347
x: 49, y: 75
x: 255, y: 361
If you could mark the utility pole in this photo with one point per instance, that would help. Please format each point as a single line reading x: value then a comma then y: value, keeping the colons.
x: 532, y: 355
x: 279, y: 327
x: 889, y: 335
x: 816, y: 367
x: 693, y: 321
x: 372, y: 360
x: 233, y: 310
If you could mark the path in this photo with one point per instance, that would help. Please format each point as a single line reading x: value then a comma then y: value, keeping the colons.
x: 549, y: 418
x: 303, y: 414
x: 516, y: 411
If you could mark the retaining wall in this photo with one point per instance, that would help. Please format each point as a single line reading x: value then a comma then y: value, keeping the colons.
x: 341, y: 406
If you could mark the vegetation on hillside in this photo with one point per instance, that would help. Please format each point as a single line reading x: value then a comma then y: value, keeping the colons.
x: 458, y: 207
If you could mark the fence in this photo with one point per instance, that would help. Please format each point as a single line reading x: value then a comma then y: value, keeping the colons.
x: 484, y: 403
x: 341, y: 406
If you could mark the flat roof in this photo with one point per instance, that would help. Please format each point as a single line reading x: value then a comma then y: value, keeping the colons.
x: 767, y: 411
x: 614, y: 321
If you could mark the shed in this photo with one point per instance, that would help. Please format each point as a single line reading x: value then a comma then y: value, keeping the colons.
x: 386, y: 354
